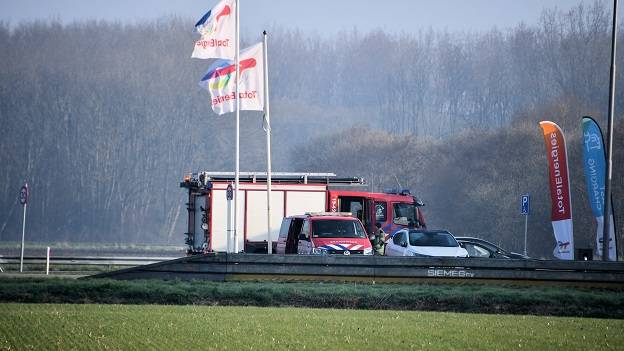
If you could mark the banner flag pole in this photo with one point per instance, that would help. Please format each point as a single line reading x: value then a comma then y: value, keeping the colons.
x: 267, y: 120
x: 236, y: 178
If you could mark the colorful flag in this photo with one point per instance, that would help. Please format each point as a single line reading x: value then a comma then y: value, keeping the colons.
x: 220, y: 81
x: 594, y: 161
x: 561, y: 212
x: 218, y: 32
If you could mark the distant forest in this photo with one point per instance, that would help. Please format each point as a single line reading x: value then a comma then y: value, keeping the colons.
x: 103, y: 120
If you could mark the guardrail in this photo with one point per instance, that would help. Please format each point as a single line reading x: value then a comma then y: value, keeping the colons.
x: 226, y: 267
x: 85, y: 261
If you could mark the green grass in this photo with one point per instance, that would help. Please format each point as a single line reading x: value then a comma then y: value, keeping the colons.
x: 115, y: 327
x: 561, y: 301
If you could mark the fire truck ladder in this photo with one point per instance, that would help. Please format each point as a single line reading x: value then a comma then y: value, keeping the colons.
x: 279, y: 177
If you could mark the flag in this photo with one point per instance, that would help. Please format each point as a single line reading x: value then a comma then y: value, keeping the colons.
x: 218, y: 32
x: 220, y: 81
x: 594, y: 162
x: 561, y: 211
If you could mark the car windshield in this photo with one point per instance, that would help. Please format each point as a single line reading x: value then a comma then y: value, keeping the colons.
x: 325, y: 228
x: 441, y: 239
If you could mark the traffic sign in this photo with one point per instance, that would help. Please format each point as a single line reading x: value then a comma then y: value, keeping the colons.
x: 525, y: 204
x: 23, y: 195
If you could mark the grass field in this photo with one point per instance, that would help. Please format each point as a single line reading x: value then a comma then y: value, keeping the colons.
x: 561, y: 301
x: 150, y: 327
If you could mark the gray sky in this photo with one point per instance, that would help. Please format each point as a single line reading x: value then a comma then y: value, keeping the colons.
x: 325, y: 17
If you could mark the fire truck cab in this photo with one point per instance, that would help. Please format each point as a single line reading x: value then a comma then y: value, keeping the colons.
x: 393, y: 209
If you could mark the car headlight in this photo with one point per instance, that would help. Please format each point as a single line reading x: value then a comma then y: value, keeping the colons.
x: 319, y: 251
x: 416, y: 254
x: 368, y: 251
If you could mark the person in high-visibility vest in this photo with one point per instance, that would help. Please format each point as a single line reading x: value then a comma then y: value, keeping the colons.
x: 377, y: 240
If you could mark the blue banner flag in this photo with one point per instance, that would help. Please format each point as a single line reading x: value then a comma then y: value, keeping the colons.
x: 594, y: 164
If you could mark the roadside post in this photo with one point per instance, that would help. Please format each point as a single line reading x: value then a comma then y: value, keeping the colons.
x: 524, y: 209
x: 48, y: 261
x: 23, y: 199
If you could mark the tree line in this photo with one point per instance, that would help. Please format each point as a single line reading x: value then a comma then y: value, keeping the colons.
x: 103, y: 119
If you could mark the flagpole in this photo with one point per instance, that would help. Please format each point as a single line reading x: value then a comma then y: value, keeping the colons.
x: 268, y: 141
x: 237, y: 48
x: 609, y: 146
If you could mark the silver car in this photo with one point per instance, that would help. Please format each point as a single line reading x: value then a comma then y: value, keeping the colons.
x: 424, y: 243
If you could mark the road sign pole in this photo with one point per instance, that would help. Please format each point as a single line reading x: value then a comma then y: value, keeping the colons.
x: 230, y: 218
x: 525, y: 205
x: 23, y: 235
x: 23, y: 199
x: 230, y: 225
x: 526, y: 224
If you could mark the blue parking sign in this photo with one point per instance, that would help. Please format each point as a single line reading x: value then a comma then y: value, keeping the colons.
x: 524, y: 208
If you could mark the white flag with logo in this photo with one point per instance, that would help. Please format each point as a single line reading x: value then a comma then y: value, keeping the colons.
x: 220, y: 81
x: 218, y: 32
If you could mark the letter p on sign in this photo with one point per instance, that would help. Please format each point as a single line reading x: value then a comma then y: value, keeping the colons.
x: 525, y: 204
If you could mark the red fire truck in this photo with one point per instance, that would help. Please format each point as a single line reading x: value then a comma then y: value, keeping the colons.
x: 291, y: 194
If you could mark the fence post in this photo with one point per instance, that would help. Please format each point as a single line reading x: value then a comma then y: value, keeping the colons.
x: 48, y: 261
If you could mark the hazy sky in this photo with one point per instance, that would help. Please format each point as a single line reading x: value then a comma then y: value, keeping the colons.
x: 321, y: 16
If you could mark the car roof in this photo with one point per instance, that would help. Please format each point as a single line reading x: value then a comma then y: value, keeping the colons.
x: 316, y: 217
x: 418, y: 230
x: 483, y: 241
x: 479, y: 240
x: 412, y: 230
x: 332, y: 218
x: 470, y: 238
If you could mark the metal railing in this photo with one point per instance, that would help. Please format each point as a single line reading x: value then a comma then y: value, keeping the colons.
x: 81, y: 261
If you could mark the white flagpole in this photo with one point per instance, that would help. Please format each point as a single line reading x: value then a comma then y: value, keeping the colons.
x: 268, y: 138
x: 609, y: 146
x: 237, y: 48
